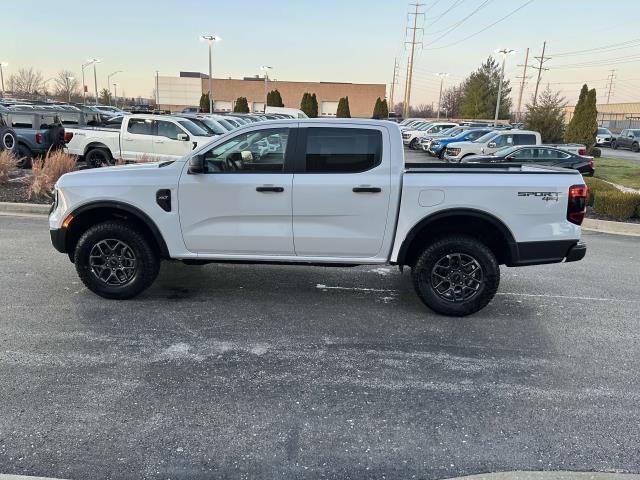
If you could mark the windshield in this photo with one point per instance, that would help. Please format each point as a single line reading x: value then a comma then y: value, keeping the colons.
x: 213, y: 126
x: 193, y: 128
x: 226, y: 124
x: 603, y: 131
x: 233, y: 122
x: 488, y: 136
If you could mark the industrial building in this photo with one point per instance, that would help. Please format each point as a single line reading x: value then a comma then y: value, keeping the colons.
x: 176, y: 93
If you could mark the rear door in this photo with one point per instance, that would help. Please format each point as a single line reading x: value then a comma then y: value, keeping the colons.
x: 136, y: 140
x: 341, y: 191
x: 623, y: 139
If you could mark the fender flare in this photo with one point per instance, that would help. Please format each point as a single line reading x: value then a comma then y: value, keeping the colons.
x: 452, y: 212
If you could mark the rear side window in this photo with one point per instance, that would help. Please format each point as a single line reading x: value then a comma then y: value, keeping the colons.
x: 21, y: 121
x: 139, y: 126
x: 524, y: 139
x: 168, y: 130
x: 342, y: 150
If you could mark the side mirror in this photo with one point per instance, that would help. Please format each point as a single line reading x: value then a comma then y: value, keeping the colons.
x: 184, y: 137
x: 492, y: 145
x: 196, y: 164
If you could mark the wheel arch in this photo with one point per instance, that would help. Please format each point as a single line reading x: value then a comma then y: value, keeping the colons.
x: 484, y: 226
x: 95, y: 212
x: 94, y: 145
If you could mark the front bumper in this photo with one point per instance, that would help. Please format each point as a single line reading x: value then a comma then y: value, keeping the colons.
x: 58, y: 239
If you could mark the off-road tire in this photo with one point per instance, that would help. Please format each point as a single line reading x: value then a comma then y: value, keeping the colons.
x: 99, y: 157
x: 422, y: 275
x: 147, y: 260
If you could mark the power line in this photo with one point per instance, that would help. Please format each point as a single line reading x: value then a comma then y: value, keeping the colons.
x: 483, y: 29
x: 603, y: 47
x: 435, y: 20
x: 457, y: 24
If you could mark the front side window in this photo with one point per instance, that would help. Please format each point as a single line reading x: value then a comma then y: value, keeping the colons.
x: 168, y: 130
x: 140, y: 126
x: 523, y: 155
x: 259, y: 151
x: 503, y: 141
x: 342, y: 150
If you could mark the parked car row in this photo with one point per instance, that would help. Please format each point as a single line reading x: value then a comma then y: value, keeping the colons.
x: 482, y: 143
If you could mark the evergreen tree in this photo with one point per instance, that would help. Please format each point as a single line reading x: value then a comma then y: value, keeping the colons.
x: 376, y: 109
x: 481, y: 93
x: 105, y: 96
x: 584, y: 125
x: 204, y: 103
x: 274, y: 99
x: 305, y: 104
x: 242, y: 105
x: 314, y: 106
x: 381, y: 110
x: 343, y: 108
x: 547, y: 117
x: 384, y: 109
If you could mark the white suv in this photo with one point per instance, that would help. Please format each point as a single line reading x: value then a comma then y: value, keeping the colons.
x: 490, y: 143
x: 412, y: 137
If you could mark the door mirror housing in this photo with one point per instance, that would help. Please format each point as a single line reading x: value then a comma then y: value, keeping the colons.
x: 184, y: 137
x: 492, y: 145
x: 196, y: 164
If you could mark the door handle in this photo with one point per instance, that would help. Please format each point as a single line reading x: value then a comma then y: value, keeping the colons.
x: 367, y: 189
x: 159, y: 141
x: 265, y: 188
x: 128, y: 139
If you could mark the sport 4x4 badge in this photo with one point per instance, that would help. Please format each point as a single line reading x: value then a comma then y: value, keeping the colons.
x: 546, y: 196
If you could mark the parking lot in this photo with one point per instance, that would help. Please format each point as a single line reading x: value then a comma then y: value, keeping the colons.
x: 271, y: 371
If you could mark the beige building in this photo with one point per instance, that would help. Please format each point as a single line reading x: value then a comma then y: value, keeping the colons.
x: 613, y: 115
x: 176, y: 93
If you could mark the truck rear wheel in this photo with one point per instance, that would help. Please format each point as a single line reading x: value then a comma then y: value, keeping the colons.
x: 8, y: 139
x: 456, y: 275
x: 98, y: 157
x: 114, y: 260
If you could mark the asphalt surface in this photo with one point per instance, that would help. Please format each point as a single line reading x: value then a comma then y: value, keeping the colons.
x: 620, y: 154
x: 228, y: 371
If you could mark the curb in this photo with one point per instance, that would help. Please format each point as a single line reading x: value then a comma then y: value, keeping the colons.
x: 616, y: 228
x: 28, y: 208
x: 549, y: 475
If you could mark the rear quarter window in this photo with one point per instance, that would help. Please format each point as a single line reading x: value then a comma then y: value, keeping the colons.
x: 524, y: 139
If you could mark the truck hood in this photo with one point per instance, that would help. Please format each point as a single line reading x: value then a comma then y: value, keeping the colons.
x: 119, y: 174
x: 200, y: 141
x: 460, y: 144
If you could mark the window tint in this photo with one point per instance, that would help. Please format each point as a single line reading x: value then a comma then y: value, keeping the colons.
x: 21, y: 121
x: 259, y: 151
x: 193, y: 128
x: 550, y: 154
x: 342, y: 150
x: 503, y: 141
x: 524, y: 139
x: 168, y: 130
x: 523, y: 155
x: 475, y: 134
x: 139, y: 126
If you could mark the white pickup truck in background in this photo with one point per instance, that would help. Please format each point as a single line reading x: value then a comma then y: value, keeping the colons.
x: 319, y: 192
x: 160, y: 137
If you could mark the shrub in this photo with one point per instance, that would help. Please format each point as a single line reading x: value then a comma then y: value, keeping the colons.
x: 596, y: 152
x: 46, y: 172
x: 596, y: 185
x: 8, y: 165
x: 241, y: 106
x: 618, y: 205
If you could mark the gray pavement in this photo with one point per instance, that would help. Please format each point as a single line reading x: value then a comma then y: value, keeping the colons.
x: 621, y: 154
x: 232, y: 371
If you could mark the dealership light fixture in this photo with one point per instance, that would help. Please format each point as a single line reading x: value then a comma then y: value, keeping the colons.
x: 211, y: 39
x: 109, y: 81
x: 441, y: 75
x: 265, y: 69
x: 90, y: 61
x: 504, y: 52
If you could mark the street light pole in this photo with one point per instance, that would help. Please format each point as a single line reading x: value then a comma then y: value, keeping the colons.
x: 504, y: 52
x: 90, y: 61
x: 109, y: 81
x: 441, y: 75
x: 69, y: 80
x: 2, y: 64
x: 157, y: 93
x: 265, y: 69
x: 210, y: 39
x: 95, y: 80
x: 115, y: 93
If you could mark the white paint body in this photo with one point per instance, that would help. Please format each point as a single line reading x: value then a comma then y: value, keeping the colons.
x: 434, y: 129
x: 490, y: 146
x: 130, y: 146
x: 318, y: 217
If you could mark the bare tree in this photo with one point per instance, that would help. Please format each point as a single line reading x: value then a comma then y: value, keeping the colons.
x: 26, y: 82
x: 67, y: 85
x: 451, y: 101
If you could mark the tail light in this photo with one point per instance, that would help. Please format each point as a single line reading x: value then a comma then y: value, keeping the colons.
x: 39, y: 138
x: 577, y: 205
x: 68, y: 136
x: 590, y: 164
x: 582, y: 151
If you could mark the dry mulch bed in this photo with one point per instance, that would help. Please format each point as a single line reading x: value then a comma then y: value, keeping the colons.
x: 15, y: 191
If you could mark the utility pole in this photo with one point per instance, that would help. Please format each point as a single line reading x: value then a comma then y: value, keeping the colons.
x: 407, y: 87
x: 524, y: 78
x: 540, y: 69
x: 504, y: 52
x: 611, y: 77
x: 157, y: 92
x: 394, y: 81
x: 441, y: 75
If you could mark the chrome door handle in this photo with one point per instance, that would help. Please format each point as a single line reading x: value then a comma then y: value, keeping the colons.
x: 128, y: 139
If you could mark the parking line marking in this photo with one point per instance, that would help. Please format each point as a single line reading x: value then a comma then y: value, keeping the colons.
x: 356, y: 289
x: 569, y: 297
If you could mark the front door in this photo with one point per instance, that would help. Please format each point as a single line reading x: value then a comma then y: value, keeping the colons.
x: 341, y: 191
x: 166, y: 142
x: 137, y: 141
x: 241, y: 205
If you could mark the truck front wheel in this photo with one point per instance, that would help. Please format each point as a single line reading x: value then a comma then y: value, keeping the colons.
x: 114, y: 260
x: 456, y: 275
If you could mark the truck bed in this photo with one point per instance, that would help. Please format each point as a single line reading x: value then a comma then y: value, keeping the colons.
x: 478, y: 168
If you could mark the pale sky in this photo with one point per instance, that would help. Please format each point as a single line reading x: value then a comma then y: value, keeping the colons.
x: 327, y: 40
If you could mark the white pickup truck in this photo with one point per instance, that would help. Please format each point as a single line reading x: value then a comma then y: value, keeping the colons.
x: 140, y: 136
x: 326, y: 192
